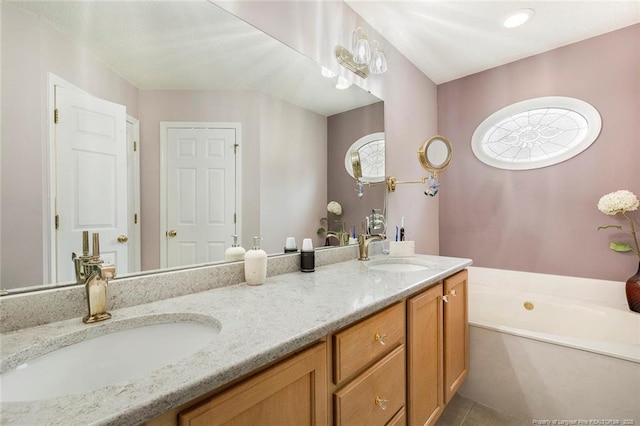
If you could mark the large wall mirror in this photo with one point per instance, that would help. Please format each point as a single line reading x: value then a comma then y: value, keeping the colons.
x: 175, y: 83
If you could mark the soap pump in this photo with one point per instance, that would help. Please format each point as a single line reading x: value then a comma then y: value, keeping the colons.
x: 255, y: 264
x: 235, y: 252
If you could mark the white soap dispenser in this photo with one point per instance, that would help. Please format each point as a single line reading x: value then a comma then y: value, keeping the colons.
x: 255, y: 264
x: 235, y: 252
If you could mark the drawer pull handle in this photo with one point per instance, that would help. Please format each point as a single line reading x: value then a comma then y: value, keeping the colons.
x: 445, y: 298
x: 381, y: 402
x: 380, y: 338
x: 452, y: 292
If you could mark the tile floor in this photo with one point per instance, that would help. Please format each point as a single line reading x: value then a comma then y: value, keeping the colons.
x: 462, y: 411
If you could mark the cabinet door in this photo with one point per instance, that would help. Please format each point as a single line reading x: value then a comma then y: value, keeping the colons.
x: 424, y: 357
x: 293, y: 392
x: 456, y: 337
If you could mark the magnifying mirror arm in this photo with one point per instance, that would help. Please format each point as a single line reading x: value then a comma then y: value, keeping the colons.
x: 392, y: 182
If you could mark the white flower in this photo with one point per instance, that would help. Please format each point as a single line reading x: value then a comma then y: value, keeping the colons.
x: 335, y: 208
x: 618, y: 202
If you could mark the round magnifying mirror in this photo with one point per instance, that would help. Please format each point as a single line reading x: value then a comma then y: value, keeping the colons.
x: 435, y: 154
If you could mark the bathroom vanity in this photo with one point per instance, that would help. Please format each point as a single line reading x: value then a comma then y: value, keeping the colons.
x: 348, y: 344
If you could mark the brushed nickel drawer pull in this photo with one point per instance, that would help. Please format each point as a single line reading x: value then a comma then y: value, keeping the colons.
x: 380, y: 338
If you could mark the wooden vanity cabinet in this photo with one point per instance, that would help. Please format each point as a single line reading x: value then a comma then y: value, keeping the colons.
x: 292, y: 392
x: 399, y: 366
x: 425, y: 361
x: 437, y: 348
x: 456, y: 333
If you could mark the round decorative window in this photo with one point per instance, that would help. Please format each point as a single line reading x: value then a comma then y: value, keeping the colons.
x: 536, y: 133
x: 371, y: 151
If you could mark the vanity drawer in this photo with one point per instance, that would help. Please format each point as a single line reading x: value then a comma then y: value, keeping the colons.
x: 375, y: 396
x: 360, y: 345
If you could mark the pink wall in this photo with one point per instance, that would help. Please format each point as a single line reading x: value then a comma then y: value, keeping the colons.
x: 293, y: 173
x: 343, y: 130
x: 544, y: 220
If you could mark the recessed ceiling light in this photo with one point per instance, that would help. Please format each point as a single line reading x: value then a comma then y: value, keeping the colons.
x: 518, y: 18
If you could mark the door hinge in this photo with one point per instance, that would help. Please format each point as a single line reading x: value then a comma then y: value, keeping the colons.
x: 135, y: 218
x: 235, y: 148
x: 55, y: 116
x: 57, y: 221
x: 135, y: 146
x: 234, y: 218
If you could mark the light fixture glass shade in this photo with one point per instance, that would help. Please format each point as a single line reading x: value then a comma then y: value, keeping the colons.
x: 342, y: 83
x: 378, y: 63
x: 327, y: 73
x: 361, y: 47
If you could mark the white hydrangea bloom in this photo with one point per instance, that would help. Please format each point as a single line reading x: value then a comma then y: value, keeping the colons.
x: 618, y: 202
x: 335, y: 208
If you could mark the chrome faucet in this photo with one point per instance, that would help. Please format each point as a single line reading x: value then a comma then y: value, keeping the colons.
x: 95, y: 274
x: 363, y: 244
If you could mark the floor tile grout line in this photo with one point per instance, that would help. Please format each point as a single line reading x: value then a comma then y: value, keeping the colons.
x: 464, y: 419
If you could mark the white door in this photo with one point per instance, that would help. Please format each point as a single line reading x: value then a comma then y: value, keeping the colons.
x: 200, y: 194
x: 133, y: 199
x: 91, y: 178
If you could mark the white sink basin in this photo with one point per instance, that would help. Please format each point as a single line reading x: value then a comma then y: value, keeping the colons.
x: 108, y: 359
x: 397, y: 265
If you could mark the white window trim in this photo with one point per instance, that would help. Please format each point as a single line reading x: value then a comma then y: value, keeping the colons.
x: 591, y: 115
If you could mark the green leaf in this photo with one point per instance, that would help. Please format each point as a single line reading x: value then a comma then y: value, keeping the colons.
x: 320, y: 231
x: 609, y: 226
x: 620, y: 247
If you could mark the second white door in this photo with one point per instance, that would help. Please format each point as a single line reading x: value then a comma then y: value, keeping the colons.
x: 200, y: 193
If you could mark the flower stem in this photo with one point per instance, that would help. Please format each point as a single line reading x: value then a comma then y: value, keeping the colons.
x: 634, y: 233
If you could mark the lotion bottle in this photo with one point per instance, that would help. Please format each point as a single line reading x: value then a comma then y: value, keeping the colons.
x: 235, y: 252
x: 255, y: 264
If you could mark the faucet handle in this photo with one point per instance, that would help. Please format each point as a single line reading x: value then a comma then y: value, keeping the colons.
x: 107, y: 271
x: 85, y: 243
x: 96, y: 246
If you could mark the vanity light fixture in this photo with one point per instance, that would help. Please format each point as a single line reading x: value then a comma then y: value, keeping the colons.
x: 364, y: 57
x: 518, y: 18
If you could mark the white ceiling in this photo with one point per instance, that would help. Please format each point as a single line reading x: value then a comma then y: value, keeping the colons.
x: 447, y: 40
x: 196, y: 45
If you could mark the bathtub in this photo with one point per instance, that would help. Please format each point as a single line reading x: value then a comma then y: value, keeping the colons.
x: 571, y: 355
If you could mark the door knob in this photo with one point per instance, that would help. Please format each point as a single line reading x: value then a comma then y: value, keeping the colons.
x: 123, y: 239
x: 172, y: 233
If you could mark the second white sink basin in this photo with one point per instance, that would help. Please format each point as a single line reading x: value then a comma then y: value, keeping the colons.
x: 107, y: 359
x: 398, y: 267
x: 397, y: 264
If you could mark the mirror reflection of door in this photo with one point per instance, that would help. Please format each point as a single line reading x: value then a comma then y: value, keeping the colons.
x: 133, y: 189
x: 90, y: 169
x: 198, y: 201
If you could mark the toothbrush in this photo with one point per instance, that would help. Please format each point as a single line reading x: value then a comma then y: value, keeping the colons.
x: 396, y: 233
x: 402, y: 229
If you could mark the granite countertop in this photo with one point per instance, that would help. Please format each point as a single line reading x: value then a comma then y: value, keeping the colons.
x: 259, y: 324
